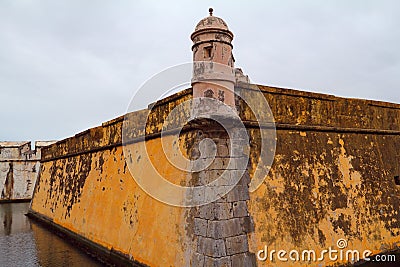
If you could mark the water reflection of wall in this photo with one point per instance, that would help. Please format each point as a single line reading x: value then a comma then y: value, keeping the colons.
x: 25, y: 243
x: 12, y: 218
x: 17, y: 245
x: 52, y: 250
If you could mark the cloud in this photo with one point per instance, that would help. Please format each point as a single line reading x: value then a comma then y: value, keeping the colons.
x: 66, y: 66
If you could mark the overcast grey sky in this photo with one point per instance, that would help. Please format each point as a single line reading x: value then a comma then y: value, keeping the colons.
x: 66, y: 66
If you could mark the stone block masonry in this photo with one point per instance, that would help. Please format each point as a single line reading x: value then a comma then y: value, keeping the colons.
x: 221, y: 227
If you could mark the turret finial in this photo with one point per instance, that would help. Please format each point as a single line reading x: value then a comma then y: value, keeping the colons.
x: 211, y: 11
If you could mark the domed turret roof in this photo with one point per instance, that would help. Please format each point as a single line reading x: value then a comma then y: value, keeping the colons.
x: 211, y: 22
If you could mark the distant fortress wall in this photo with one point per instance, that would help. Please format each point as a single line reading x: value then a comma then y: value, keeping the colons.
x: 333, y: 177
x: 19, y: 167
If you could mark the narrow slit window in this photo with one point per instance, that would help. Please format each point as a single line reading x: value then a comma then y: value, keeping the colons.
x: 209, y: 93
x: 397, y: 180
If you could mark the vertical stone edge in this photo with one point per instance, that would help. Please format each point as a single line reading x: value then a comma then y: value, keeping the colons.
x: 221, y: 228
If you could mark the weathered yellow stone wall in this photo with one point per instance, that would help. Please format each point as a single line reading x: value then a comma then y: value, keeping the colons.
x: 85, y: 187
x: 95, y: 196
x: 332, y: 178
x: 341, y: 188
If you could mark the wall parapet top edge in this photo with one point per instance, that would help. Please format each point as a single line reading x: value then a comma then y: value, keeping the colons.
x: 171, y: 98
x: 309, y: 94
x: 344, y: 111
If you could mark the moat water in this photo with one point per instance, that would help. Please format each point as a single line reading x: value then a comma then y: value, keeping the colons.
x: 24, y: 242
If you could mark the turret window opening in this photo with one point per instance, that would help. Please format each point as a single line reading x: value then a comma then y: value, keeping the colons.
x: 207, y: 51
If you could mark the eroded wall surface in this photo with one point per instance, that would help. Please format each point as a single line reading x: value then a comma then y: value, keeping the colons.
x: 332, y: 178
x: 85, y: 186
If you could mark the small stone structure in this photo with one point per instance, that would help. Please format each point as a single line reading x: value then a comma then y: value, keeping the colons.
x: 220, y: 227
x: 19, y: 168
x: 213, y: 73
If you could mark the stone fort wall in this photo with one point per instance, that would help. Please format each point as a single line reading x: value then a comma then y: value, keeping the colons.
x: 19, y: 167
x: 333, y: 178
